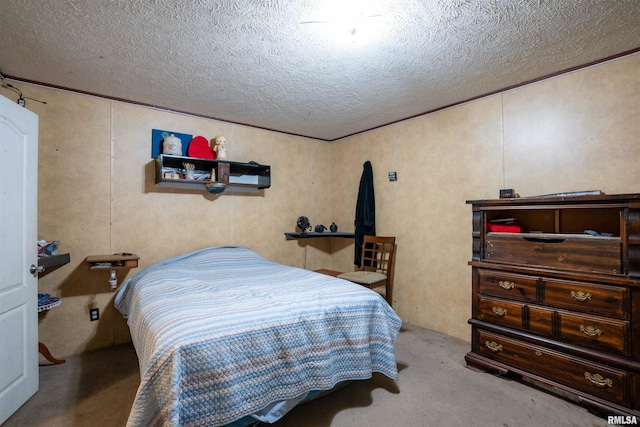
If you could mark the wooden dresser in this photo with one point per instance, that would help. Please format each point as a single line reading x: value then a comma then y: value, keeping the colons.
x: 556, y: 295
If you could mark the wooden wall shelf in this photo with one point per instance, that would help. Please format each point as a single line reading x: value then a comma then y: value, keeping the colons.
x: 314, y: 235
x: 235, y: 176
x: 112, y: 262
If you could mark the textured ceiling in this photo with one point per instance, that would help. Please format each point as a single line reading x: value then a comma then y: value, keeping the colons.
x: 270, y: 63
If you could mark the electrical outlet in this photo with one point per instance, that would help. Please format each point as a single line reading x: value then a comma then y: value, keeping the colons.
x: 94, y: 314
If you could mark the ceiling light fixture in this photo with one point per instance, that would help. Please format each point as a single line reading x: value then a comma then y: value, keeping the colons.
x: 354, y: 22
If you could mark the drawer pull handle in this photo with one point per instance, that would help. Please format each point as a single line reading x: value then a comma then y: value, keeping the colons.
x: 494, y: 346
x: 499, y: 311
x: 538, y: 353
x: 598, y: 380
x: 581, y: 296
x: 542, y: 240
x: 590, y: 331
x: 505, y: 284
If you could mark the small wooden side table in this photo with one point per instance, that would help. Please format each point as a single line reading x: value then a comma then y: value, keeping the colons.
x: 328, y: 272
x: 46, y: 263
x: 48, y: 305
x: 45, y: 352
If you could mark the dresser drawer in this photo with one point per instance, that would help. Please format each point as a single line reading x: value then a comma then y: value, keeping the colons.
x: 569, y: 252
x: 507, y: 313
x: 594, y: 331
x: 516, y: 315
x: 507, y: 285
x: 539, y: 320
x: 587, y: 297
x: 598, y: 380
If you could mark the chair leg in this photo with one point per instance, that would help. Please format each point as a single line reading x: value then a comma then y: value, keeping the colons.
x: 388, y: 294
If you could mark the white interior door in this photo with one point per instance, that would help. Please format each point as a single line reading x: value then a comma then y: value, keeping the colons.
x: 18, y: 238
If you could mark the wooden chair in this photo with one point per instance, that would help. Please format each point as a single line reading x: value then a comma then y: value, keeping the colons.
x: 376, y: 267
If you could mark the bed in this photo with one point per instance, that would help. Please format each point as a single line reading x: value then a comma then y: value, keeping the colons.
x: 227, y: 337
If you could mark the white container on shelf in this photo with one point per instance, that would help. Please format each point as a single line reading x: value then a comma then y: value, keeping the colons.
x: 171, y: 144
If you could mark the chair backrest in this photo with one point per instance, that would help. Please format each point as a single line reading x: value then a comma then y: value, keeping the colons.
x: 377, y: 255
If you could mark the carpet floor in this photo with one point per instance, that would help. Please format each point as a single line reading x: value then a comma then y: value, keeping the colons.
x: 434, y: 389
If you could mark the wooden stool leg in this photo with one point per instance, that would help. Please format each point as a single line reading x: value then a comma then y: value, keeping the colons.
x: 45, y: 352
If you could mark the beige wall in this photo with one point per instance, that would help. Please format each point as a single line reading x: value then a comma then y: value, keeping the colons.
x: 96, y: 194
x: 579, y: 131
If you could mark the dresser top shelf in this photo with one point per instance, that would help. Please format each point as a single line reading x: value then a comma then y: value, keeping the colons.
x: 564, y: 199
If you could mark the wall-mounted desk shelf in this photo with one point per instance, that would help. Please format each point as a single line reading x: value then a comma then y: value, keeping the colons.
x: 112, y: 262
x: 53, y: 261
x: 314, y: 235
x: 235, y: 176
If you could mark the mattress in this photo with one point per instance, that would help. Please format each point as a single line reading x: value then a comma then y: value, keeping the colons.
x: 223, y: 333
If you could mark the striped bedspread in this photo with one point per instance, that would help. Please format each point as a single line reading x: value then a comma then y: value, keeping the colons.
x: 222, y: 332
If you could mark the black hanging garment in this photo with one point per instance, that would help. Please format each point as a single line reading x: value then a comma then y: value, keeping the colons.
x: 365, y: 211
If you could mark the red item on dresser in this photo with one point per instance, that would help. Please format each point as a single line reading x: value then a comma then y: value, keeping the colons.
x: 504, y: 228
